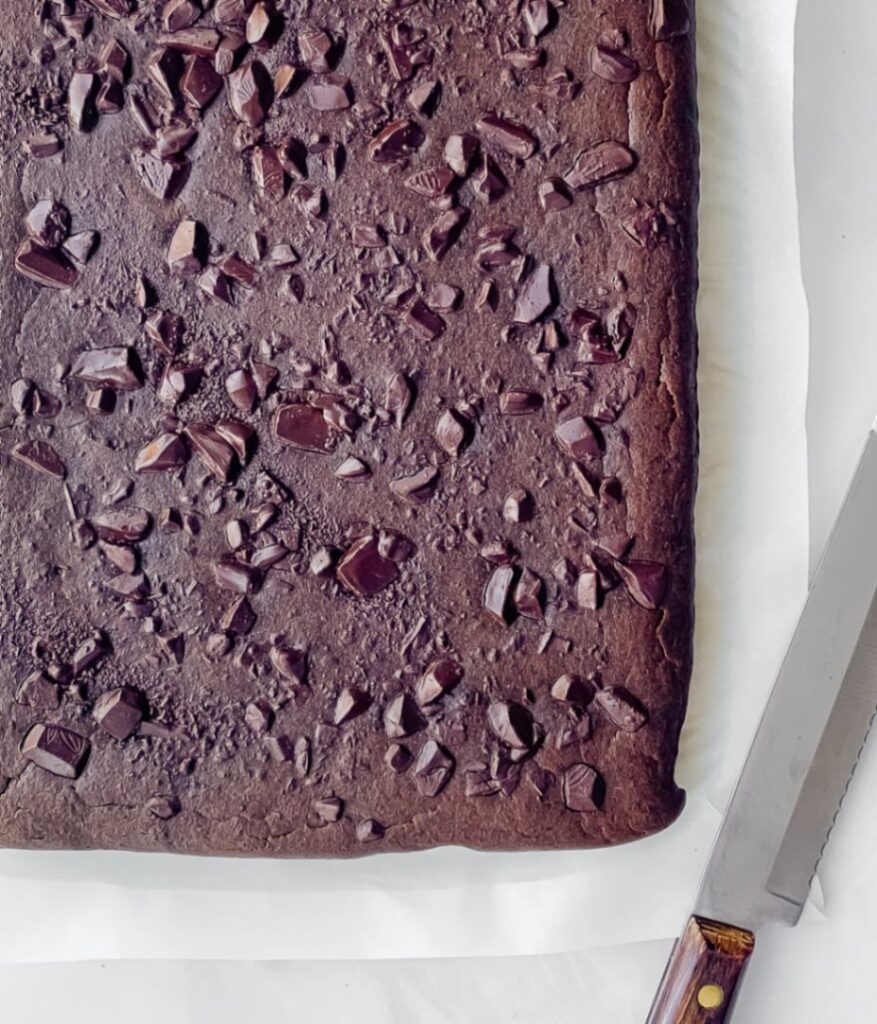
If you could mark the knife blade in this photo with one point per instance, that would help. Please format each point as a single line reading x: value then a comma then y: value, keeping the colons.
x: 796, y: 773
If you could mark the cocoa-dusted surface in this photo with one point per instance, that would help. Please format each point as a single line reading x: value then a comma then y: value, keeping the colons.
x: 349, y: 423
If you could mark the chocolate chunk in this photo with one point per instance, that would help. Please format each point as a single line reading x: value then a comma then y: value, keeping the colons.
x: 164, y: 68
x: 369, y: 831
x: 179, y: 14
x: 539, y: 16
x: 601, y: 163
x: 166, y: 330
x: 289, y: 662
x: 364, y: 570
x: 112, y: 8
x: 452, y: 432
x: 352, y: 702
x: 328, y: 809
x: 402, y: 717
x: 622, y: 709
x: 81, y: 92
x: 268, y: 172
x: 537, y: 297
x: 330, y: 92
x: 488, y: 182
x: 510, y: 136
x: 433, y: 769
x: 42, y: 145
x: 352, y: 469
x: 216, y: 285
x: 48, y: 223
x: 110, y: 97
x: 368, y: 236
x: 119, y: 711
x: 424, y: 98
x: 444, y: 232
x: 239, y: 436
x: 200, y: 82
x: 163, y: 178
x: 163, y: 807
x: 201, y: 41
x: 81, y: 246
x: 117, y: 368
x: 21, y: 395
x: 588, y: 591
x: 423, y: 320
x: 239, y: 617
x: 519, y: 402
x: 56, y: 749
x: 440, y: 677
x: 316, y: 48
x: 399, y: 397
x: 512, y: 724
x: 669, y: 19
x: 304, y: 427
x: 42, y: 457
x: 579, y: 438
x: 213, y: 451
x: 582, y: 788
x: 646, y: 582
x: 399, y: 140
x: 115, y: 60
x: 497, y: 593
x: 261, y: 26
x: 259, y: 716
x: 236, y: 576
x: 397, y: 757
x: 47, y: 267
x: 572, y: 690
x: 554, y: 195
x: 518, y: 507
x: 612, y: 65
x: 188, y: 247
x: 122, y: 525
x: 238, y: 270
x: 528, y: 595
x: 38, y: 691
x: 241, y: 389
x: 418, y: 488
x: 250, y: 91
x: 460, y: 153
x: 163, y: 454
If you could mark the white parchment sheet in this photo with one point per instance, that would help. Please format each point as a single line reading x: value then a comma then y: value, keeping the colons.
x: 452, y: 935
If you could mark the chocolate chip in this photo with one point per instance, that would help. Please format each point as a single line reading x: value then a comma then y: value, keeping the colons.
x: 582, y: 788
x: 402, y: 717
x: 423, y: 320
x: 188, y: 247
x: 433, y: 769
x: 669, y: 19
x: 239, y: 617
x: 236, y: 576
x: 239, y: 436
x: 304, y: 427
x: 510, y: 136
x: 56, y: 749
x: 537, y: 297
x: 397, y: 757
x: 579, y: 438
x: 364, y: 570
x: 396, y: 142
x: 417, y: 488
x: 117, y: 368
x: 572, y: 690
x: 497, y: 593
x: 528, y: 595
x: 512, y: 724
x: 601, y: 163
x: 213, y: 451
x: 646, y: 582
x: 612, y: 65
x: 444, y: 232
x: 42, y: 457
x: 122, y: 525
x: 47, y: 267
x: 250, y: 90
x: 330, y: 92
x: 119, y: 711
x: 238, y: 269
x: 440, y: 677
x: 352, y: 702
x: 163, y: 454
x: 200, y: 82
x: 369, y: 831
x: 488, y: 182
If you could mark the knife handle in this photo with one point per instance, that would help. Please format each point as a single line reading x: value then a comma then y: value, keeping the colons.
x: 703, y: 974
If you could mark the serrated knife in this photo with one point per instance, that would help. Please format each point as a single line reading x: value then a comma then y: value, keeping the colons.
x: 795, y: 776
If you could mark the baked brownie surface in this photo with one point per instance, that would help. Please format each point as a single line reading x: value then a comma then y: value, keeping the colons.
x: 349, y: 425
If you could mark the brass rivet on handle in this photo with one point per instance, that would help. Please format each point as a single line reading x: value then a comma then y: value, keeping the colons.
x: 710, y: 997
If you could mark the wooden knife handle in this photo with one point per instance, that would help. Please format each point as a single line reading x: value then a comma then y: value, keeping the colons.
x: 703, y: 974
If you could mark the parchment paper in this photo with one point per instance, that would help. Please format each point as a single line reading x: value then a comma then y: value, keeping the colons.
x: 752, y: 573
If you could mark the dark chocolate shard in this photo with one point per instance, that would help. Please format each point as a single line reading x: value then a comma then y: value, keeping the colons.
x: 164, y: 67
x: 330, y: 92
x: 250, y: 91
x: 213, y: 451
x: 268, y: 173
x: 601, y: 163
x: 239, y: 617
x: 369, y: 831
x: 352, y: 702
x: 440, y: 677
x: 241, y: 389
x: 512, y: 724
x: 117, y: 368
x: 236, y: 576
x: 528, y: 595
x: 91, y: 651
x: 512, y: 137
x: 213, y: 283
x: 497, y: 594
x: 488, y: 182
x: 399, y: 397
x: 444, y: 232
x: 402, y: 717
x: 579, y: 438
x: 163, y: 178
x: 259, y: 716
x: 646, y: 582
x: 432, y: 769
x: 188, y: 247
x: 163, y: 454
x: 539, y: 16
x: 317, y: 49
x: 48, y: 267
x: 120, y: 711
x: 423, y: 320
x: 81, y: 93
x: 554, y: 195
x: 572, y: 689
x: 41, y: 456
x: 452, y: 432
x: 38, y: 691
x: 588, y: 591
x: 240, y: 436
x: 305, y: 427
x: 519, y: 402
x: 397, y: 757
x: 582, y: 788
x: 396, y: 142
x: 48, y: 222
x: 112, y: 8
x: 289, y: 662
x: 460, y: 152
x: 122, y: 525
x: 200, y: 82
x: 81, y: 246
x: 56, y: 749
x: 328, y: 809
x: 622, y: 709
x: 364, y: 570
x: 537, y: 297
x: 417, y: 488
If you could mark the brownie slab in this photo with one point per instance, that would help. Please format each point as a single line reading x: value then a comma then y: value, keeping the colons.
x: 348, y: 418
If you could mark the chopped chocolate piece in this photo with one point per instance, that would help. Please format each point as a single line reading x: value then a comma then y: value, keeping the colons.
x: 369, y: 831
x: 612, y: 65
x: 287, y: 79
x: 512, y: 724
x: 554, y: 195
x: 164, y: 68
x: 239, y: 617
x: 250, y: 91
x: 280, y: 748
x: 304, y: 427
x: 603, y: 162
x: 38, y: 691
x: 582, y: 788
x: 352, y: 468
x: 187, y: 250
x: 528, y: 595
x: 241, y: 389
x: 402, y: 717
x: 261, y: 26
x: 41, y: 456
x: 216, y: 285
x: 42, y: 145
x: 399, y: 397
x: 572, y: 690
x: 290, y: 662
x: 81, y: 246
x: 352, y: 702
x: 452, y: 432
x: 238, y: 269
x: 122, y: 525
x: 460, y: 153
x: 444, y: 232
x: 163, y: 178
x: 112, y: 8
x: 646, y: 582
x: 537, y: 297
x: 588, y: 591
x: 328, y: 809
x: 424, y: 98
x: 622, y: 709
x: 236, y: 576
x: 259, y: 716
x: 497, y: 593
x: 100, y: 401
x: 201, y: 41
x: 539, y: 16
x: 48, y: 223
x: 21, y: 394
x: 47, y: 267
x: 330, y: 92
x: 214, y: 452
x: 432, y: 769
x: 440, y: 678
x: 56, y: 749
x: 399, y: 140
x: 240, y: 436
x: 397, y: 757
x: 364, y: 570
x: 423, y: 320
x: 579, y: 438
x: 488, y: 182
x: 418, y: 488
x: 518, y: 507
x: 119, y: 711
x: 163, y: 454
x: 81, y: 91
x: 368, y: 236
x: 519, y: 402
x: 110, y: 97
x: 316, y: 48
x: 513, y: 138
x: 200, y: 82
x: 117, y: 368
